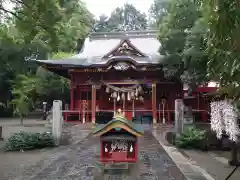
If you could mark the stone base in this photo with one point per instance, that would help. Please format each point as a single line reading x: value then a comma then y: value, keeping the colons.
x: 234, y: 163
x: 154, y: 121
x: 118, y: 166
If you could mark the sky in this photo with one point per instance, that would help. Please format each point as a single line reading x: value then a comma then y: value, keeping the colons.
x: 99, y: 7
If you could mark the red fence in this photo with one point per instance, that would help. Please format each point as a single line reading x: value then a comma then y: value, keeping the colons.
x: 168, y: 114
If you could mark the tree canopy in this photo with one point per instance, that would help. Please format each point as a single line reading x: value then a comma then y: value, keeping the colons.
x: 200, y: 41
x: 37, y: 30
x: 126, y: 18
x: 182, y: 36
x: 223, y: 44
x: 157, y: 12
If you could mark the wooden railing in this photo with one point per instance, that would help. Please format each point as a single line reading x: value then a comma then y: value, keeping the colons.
x: 168, y: 114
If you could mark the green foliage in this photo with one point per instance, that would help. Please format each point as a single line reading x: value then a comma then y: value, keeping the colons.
x: 158, y: 10
x: 29, y: 141
x: 182, y: 34
x: 223, y: 47
x: 55, y: 24
x: 33, y: 30
x: 194, y: 56
x: 76, y: 23
x: 191, y: 138
x: 51, y: 86
x: 23, y: 91
x: 61, y: 55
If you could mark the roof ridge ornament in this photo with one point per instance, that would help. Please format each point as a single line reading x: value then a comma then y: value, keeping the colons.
x: 120, y: 34
x: 125, y: 48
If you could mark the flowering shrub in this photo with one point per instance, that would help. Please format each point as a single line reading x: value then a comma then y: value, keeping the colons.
x: 224, y: 117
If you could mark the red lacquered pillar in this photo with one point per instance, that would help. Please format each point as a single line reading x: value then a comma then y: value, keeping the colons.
x: 93, y: 104
x: 154, y: 106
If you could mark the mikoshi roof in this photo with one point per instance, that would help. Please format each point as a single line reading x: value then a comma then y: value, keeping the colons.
x: 119, y: 122
x: 98, y: 45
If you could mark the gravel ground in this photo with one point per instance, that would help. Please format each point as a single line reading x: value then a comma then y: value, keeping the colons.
x: 80, y: 161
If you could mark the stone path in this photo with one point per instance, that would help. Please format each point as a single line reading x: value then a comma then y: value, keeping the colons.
x: 80, y: 161
x: 156, y: 162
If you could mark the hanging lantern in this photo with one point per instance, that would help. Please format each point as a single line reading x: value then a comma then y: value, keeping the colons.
x: 114, y: 95
x: 128, y: 96
x: 123, y: 96
x: 136, y: 93
x: 140, y: 88
x: 107, y: 90
x: 132, y: 94
x: 118, y: 97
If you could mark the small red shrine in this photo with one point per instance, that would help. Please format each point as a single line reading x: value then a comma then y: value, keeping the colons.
x: 123, y: 70
x: 119, y: 140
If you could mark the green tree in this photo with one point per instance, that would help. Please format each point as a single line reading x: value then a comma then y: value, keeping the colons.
x: 101, y: 24
x: 157, y: 12
x: 31, y: 31
x: 223, y: 19
x: 76, y: 23
x: 65, y: 23
x: 181, y: 44
x: 12, y: 60
x: 23, y: 91
x: 223, y: 47
x: 194, y: 55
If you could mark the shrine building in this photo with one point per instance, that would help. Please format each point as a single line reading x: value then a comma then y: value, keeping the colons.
x: 123, y: 70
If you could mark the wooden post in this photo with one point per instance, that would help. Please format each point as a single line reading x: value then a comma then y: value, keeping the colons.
x: 133, y: 107
x: 169, y: 117
x: 93, y: 104
x: 84, y: 113
x: 57, y: 121
x: 164, y: 119
x: 234, y: 155
x: 154, y: 107
x: 114, y: 106
x: 1, y: 136
x: 71, y: 94
x: 159, y: 113
x: 179, y: 112
x: 124, y: 102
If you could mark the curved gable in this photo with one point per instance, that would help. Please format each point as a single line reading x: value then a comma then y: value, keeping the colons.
x: 125, y: 48
x: 119, y: 122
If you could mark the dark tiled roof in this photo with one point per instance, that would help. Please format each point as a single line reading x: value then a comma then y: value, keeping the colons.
x: 99, y: 44
x: 135, y: 127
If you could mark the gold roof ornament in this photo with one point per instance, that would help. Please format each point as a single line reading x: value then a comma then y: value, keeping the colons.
x: 119, y: 114
x: 129, y: 96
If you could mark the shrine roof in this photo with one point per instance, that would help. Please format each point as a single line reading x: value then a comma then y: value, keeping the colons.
x: 119, y: 122
x: 98, y: 47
